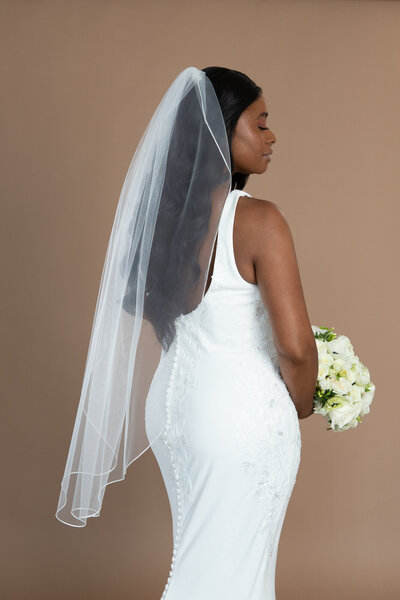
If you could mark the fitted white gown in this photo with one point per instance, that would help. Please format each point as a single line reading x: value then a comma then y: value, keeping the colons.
x: 230, y: 451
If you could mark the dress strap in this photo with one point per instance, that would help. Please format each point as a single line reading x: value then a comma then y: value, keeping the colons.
x: 225, y: 270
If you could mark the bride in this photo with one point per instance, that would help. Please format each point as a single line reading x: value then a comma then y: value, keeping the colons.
x: 201, y: 346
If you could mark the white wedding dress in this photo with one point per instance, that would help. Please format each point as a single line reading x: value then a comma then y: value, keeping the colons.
x: 230, y: 450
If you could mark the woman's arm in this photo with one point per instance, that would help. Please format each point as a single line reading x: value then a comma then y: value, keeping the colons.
x: 278, y: 278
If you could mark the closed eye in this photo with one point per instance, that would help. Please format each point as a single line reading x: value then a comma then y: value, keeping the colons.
x: 263, y: 128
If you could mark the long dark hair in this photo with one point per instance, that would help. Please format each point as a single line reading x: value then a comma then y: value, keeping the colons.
x: 173, y: 269
x: 235, y: 92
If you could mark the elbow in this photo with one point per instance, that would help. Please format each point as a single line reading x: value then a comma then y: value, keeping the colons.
x: 305, y: 414
x: 304, y: 355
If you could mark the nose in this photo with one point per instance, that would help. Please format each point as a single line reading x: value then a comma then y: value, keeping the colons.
x: 273, y: 138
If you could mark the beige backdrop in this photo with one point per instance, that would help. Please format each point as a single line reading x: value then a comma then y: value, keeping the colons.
x: 80, y: 80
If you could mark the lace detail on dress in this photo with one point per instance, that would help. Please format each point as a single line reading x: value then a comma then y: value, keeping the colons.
x: 190, y: 332
x: 266, y: 433
x: 255, y: 331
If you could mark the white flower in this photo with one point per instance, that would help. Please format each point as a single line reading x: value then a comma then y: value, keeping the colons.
x: 344, y: 414
x: 325, y: 383
x: 340, y: 386
x: 338, y: 363
x: 317, y: 329
x: 320, y: 408
x: 355, y: 394
x: 350, y: 375
x: 342, y: 365
x: 341, y: 372
x: 321, y: 345
x: 325, y: 359
x: 366, y: 399
x: 362, y: 375
x: 341, y: 345
x: 352, y: 423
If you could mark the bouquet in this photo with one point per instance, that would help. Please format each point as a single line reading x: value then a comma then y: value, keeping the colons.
x: 344, y: 390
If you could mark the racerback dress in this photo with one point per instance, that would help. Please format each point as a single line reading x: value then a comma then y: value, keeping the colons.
x: 230, y: 450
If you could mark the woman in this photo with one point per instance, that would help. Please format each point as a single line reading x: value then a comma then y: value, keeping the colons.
x: 217, y: 284
x: 231, y: 449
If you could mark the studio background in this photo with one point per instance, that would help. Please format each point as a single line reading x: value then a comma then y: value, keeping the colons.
x: 80, y: 81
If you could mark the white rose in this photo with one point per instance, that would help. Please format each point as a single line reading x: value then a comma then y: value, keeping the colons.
x: 366, y: 399
x: 362, y: 375
x: 356, y: 367
x: 344, y: 414
x: 341, y: 345
x: 338, y: 363
x: 355, y: 394
x: 352, y: 423
x: 350, y: 375
x: 325, y: 360
x: 340, y: 386
x: 325, y: 383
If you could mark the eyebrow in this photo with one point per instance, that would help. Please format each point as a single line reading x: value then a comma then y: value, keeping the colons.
x: 263, y: 114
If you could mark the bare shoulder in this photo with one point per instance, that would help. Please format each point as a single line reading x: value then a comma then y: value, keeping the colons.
x: 263, y: 220
x: 269, y: 209
x: 257, y: 208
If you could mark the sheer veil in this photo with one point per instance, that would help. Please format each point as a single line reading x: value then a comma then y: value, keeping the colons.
x: 155, y: 269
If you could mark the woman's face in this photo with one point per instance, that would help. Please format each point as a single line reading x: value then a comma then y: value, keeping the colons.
x: 252, y: 139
